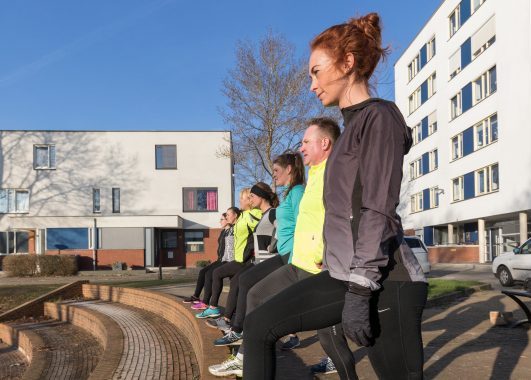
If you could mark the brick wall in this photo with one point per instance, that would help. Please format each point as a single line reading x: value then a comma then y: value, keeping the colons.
x: 211, y: 248
x: 104, y: 257
x: 454, y: 254
x: 162, y: 304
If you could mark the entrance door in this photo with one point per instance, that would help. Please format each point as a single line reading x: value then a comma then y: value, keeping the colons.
x: 168, y: 248
x: 494, y: 243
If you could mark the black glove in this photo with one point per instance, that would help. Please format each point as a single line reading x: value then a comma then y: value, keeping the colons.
x: 356, y: 323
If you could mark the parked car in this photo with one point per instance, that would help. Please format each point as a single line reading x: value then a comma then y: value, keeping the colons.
x: 420, y: 251
x: 513, y: 266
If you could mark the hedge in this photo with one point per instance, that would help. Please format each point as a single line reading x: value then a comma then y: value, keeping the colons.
x: 40, y: 265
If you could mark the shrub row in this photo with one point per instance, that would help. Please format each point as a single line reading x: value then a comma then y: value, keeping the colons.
x: 40, y: 265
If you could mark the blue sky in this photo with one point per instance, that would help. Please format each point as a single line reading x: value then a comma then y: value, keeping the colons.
x: 156, y: 64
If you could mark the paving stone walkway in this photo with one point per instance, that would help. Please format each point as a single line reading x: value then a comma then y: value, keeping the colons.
x: 71, y: 353
x: 153, y: 348
x: 12, y: 363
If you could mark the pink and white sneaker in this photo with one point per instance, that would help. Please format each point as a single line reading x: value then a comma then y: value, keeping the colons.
x: 199, y: 306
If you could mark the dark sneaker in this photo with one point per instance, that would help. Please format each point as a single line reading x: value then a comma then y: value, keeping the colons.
x: 291, y: 343
x: 219, y: 323
x: 191, y: 299
x: 230, y: 339
x: 325, y: 366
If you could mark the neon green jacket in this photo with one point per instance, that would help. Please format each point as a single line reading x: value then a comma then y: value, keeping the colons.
x: 308, y: 243
x: 243, y: 234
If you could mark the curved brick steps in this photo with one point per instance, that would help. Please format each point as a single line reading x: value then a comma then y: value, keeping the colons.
x: 147, y: 347
x: 13, y: 363
x: 54, y: 349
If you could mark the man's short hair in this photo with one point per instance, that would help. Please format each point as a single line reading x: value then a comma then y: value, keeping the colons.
x: 327, y: 126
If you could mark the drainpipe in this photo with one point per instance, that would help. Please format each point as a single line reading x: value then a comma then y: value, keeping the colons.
x: 94, y: 244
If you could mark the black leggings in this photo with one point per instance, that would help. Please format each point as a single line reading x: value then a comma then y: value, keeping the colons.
x: 204, y: 281
x: 234, y: 290
x: 247, y: 280
x: 227, y: 270
x: 317, y: 302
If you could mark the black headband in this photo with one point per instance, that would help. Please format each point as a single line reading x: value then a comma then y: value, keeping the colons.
x: 261, y: 193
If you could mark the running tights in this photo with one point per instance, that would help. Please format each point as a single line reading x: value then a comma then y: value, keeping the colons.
x: 204, y: 281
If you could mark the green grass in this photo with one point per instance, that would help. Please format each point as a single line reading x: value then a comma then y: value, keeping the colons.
x: 148, y: 283
x: 12, y: 296
x: 438, y: 287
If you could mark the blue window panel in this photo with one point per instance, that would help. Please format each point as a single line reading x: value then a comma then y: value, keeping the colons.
x: 468, y: 184
x: 423, y: 56
x: 465, y: 11
x: 468, y: 141
x: 428, y: 236
x: 466, y: 97
x: 425, y: 163
x: 423, y: 92
x: 466, y: 53
x: 67, y: 238
x: 424, y: 126
x: 471, y: 233
x: 426, y: 199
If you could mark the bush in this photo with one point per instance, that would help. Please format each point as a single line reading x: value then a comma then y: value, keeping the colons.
x: 202, y: 263
x: 20, y: 265
x: 49, y: 265
x: 58, y: 265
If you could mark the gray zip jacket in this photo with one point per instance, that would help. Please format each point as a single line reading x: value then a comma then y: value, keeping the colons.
x: 363, y: 233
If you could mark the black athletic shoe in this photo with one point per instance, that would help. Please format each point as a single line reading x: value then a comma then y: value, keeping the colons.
x: 191, y: 299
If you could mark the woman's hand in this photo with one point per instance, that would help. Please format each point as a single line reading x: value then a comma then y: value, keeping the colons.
x: 355, y: 318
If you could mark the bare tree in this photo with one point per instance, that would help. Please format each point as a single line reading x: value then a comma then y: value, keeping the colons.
x: 268, y: 101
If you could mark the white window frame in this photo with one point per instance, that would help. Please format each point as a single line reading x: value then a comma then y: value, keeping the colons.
x: 459, y: 152
x: 415, y: 168
x: 416, y: 202
x: 484, y: 183
x: 460, y: 195
x: 413, y: 67
x: 481, y: 88
x: 51, y: 165
x: 456, y: 110
x: 417, y: 134
x: 455, y: 15
x: 431, y: 49
x: 414, y: 101
x: 433, y: 160
x: 434, y: 197
x: 96, y: 210
x: 484, y: 47
x: 116, y: 200
x: 432, y: 85
x: 432, y: 128
x: 472, y: 8
x: 11, y: 199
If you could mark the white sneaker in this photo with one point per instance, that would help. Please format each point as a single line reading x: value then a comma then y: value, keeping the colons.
x: 231, y: 366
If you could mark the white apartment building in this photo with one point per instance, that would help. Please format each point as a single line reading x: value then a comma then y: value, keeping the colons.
x: 114, y: 196
x: 464, y: 86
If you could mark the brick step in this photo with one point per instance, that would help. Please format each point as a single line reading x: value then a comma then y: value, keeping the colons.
x: 146, y: 346
x: 13, y: 363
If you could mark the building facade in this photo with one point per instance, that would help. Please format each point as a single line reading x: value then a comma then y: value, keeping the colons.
x: 464, y: 86
x: 130, y: 197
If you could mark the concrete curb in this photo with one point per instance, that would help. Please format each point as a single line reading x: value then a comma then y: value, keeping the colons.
x: 451, y: 297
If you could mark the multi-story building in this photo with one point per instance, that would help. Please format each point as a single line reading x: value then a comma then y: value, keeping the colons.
x: 111, y: 196
x: 464, y: 86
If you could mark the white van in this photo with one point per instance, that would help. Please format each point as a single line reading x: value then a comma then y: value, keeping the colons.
x: 420, y: 251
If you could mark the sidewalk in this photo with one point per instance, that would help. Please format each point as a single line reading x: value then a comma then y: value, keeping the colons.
x: 459, y: 343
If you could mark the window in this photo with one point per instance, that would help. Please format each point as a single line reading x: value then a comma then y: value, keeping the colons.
x: 432, y: 123
x: 431, y: 48
x: 432, y: 87
x: 417, y: 134
x: 96, y: 206
x: 115, y: 200
x: 458, y: 189
x: 457, y: 146
x: 14, y: 242
x: 434, y: 160
x: 484, y: 85
x: 200, y: 199
x: 487, y: 179
x: 67, y: 238
x: 415, y: 169
x: 169, y: 239
x: 455, y: 106
x: 434, y: 197
x: 44, y: 156
x: 476, y: 4
x: 414, y: 100
x: 14, y: 201
x: 416, y: 202
x: 165, y: 157
x: 194, y: 241
x: 454, y: 21
x: 413, y: 67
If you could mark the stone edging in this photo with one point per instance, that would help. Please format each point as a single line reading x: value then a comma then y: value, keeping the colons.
x: 450, y: 297
x: 30, y: 345
x: 35, y: 308
x: 161, y: 304
x: 102, y: 327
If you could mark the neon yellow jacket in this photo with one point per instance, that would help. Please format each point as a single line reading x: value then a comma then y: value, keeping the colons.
x: 243, y: 234
x: 308, y: 240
